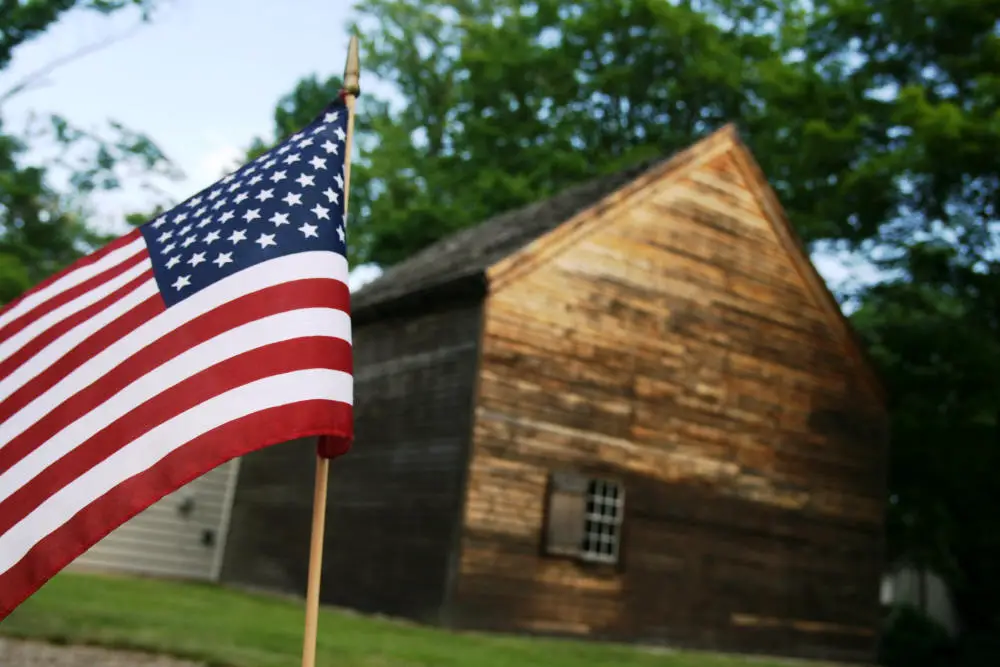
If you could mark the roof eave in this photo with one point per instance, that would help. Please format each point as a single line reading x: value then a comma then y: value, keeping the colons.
x: 461, y: 289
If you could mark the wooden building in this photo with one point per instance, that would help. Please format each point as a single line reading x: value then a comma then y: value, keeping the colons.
x: 632, y: 411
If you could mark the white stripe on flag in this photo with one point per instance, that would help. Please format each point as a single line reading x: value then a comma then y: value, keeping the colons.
x: 71, y: 280
x: 299, y: 266
x: 253, y: 335
x: 88, y: 298
x: 55, y: 350
x: 144, y: 452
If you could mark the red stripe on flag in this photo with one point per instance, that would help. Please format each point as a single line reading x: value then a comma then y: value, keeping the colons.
x: 316, y: 292
x: 63, y: 298
x: 274, y: 359
x: 332, y: 446
x: 12, y: 363
x: 95, y: 256
x: 79, y: 355
x: 236, y: 438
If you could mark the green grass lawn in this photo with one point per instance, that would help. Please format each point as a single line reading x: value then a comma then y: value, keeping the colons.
x: 235, y: 629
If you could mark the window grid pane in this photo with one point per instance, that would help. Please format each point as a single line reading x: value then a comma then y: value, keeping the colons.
x: 605, y: 503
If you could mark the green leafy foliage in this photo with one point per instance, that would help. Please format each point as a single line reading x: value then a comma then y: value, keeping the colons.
x: 508, y: 102
x: 44, y: 204
x: 924, y: 186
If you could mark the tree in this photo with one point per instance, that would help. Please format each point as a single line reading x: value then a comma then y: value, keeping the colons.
x: 923, y: 184
x: 508, y: 102
x: 934, y: 334
x: 44, y: 228
x: 875, y: 121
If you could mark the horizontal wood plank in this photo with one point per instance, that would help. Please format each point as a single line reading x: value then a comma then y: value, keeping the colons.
x: 394, y: 499
x: 677, y: 347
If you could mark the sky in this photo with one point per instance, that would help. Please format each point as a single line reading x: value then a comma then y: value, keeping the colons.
x: 202, y: 80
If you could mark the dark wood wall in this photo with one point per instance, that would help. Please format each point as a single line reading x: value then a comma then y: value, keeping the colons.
x: 393, y: 516
x: 679, y: 347
x: 268, y: 542
x: 395, y: 498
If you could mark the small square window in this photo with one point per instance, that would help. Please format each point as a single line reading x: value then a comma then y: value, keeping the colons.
x: 585, y: 518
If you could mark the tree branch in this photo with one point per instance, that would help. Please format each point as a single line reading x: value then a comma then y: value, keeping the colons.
x: 37, y: 78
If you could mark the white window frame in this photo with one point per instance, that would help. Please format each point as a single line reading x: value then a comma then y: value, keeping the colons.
x: 603, y: 517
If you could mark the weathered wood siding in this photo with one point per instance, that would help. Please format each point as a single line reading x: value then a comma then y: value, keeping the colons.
x: 267, y: 545
x: 395, y: 499
x: 394, y: 509
x: 678, y: 348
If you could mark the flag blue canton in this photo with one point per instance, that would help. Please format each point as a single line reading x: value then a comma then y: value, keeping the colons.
x: 288, y: 200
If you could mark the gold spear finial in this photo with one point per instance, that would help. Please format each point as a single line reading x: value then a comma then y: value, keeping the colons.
x: 352, y: 70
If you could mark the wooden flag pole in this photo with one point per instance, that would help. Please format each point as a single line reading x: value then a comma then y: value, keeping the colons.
x: 352, y: 89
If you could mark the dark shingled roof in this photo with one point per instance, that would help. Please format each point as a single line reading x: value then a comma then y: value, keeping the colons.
x: 468, y: 253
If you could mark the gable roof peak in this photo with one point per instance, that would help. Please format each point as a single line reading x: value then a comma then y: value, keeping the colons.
x: 470, y: 252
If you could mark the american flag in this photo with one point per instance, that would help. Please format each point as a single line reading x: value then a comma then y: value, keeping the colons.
x: 218, y: 328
